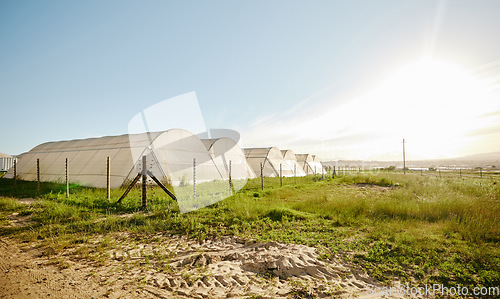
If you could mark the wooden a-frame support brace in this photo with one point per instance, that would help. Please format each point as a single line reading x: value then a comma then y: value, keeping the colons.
x: 162, y: 186
x: 154, y: 179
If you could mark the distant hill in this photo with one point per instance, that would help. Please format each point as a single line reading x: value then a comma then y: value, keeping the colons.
x: 480, y: 157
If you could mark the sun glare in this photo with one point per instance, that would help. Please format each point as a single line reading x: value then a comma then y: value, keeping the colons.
x: 433, y: 104
x: 437, y: 107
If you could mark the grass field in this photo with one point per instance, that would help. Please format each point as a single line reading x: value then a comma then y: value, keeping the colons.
x: 413, y: 228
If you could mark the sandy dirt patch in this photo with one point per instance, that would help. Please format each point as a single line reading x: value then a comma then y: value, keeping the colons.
x: 167, y: 266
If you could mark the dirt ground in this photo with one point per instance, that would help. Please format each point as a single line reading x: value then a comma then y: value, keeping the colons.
x: 124, y: 265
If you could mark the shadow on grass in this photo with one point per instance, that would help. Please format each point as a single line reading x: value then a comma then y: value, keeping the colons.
x: 28, y: 189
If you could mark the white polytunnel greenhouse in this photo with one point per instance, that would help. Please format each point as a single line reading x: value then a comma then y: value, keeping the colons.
x: 170, y: 156
x: 226, y: 152
x: 6, y: 162
x: 317, y: 163
x: 308, y: 164
x: 292, y: 164
x: 270, y: 158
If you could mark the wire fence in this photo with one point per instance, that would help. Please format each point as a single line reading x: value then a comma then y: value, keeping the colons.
x: 279, y: 180
x: 476, y: 173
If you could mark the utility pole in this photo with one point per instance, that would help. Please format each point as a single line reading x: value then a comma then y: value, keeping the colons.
x: 404, y: 157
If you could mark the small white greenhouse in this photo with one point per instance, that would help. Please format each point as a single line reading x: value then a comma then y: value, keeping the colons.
x: 270, y: 158
x: 292, y: 164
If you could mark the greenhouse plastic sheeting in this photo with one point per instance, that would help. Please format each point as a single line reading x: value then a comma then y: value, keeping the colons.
x: 225, y: 151
x: 309, y: 165
x: 316, y: 164
x: 292, y: 164
x: 87, y: 158
x: 270, y: 158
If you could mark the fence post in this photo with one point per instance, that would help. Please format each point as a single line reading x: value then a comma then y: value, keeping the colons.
x: 230, y: 181
x: 460, y: 172
x: 108, y: 183
x: 15, y: 174
x: 262, y: 176
x: 281, y: 176
x: 67, y: 179
x: 333, y: 173
x: 144, y: 183
x: 295, y: 173
x: 322, y: 173
x: 194, y: 178
x: 481, y: 172
x: 38, y: 175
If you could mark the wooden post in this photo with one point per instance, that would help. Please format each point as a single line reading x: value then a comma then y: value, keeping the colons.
x: 333, y: 173
x: 281, y: 176
x: 194, y: 178
x: 262, y: 176
x: 15, y: 173
x: 38, y: 175
x: 161, y: 185
x: 67, y: 179
x: 134, y: 181
x: 322, y: 174
x: 295, y: 173
x: 404, y: 158
x: 108, y: 184
x: 144, y: 183
x: 481, y: 172
x: 460, y: 172
x: 230, y: 181
x: 315, y: 173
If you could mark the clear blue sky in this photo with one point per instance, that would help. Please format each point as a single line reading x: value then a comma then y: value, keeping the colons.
x: 305, y: 75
